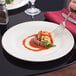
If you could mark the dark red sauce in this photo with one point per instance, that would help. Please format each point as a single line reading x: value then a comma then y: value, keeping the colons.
x: 32, y: 44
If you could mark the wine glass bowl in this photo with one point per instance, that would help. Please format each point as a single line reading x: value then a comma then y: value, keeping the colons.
x: 32, y: 10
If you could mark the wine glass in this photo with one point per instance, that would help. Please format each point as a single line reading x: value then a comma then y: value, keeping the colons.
x: 32, y: 10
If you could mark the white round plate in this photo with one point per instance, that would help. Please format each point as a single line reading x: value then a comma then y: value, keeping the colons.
x: 13, y: 37
x: 16, y: 4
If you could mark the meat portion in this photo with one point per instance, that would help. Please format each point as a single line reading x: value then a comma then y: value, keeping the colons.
x: 38, y: 42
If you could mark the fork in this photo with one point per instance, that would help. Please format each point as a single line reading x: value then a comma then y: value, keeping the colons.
x: 59, y: 29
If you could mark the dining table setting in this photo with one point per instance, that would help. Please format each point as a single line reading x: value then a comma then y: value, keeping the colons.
x: 37, y: 37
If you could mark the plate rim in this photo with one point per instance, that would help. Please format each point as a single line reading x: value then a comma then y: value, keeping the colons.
x: 18, y: 6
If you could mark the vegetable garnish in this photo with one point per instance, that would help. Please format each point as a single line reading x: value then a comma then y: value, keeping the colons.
x: 9, y: 1
x: 48, y: 45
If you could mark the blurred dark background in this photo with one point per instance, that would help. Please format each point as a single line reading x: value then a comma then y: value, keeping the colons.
x: 50, y: 5
x: 44, y: 5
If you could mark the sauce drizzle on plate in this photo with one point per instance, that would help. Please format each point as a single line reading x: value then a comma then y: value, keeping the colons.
x: 32, y: 44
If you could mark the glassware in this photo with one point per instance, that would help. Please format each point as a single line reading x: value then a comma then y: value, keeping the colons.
x: 3, y: 13
x: 33, y: 10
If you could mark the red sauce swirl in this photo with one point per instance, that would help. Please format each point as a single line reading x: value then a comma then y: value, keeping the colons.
x: 32, y: 44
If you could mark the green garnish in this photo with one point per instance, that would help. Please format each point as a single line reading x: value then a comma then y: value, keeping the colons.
x: 48, y: 45
x: 9, y: 1
x: 45, y: 42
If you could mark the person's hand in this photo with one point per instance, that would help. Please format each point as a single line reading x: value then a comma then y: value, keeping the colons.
x: 72, y: 5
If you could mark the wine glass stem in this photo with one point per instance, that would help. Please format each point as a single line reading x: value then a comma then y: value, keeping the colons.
x: 32, y: 4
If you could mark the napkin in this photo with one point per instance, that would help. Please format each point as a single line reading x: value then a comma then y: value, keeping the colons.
x: 56, y: 16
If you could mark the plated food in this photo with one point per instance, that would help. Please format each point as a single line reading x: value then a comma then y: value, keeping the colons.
x: 44, y: 38
x: 41, y: 41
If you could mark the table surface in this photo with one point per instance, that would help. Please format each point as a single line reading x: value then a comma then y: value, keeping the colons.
x: 10, y: 66
x: 67, y: 71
